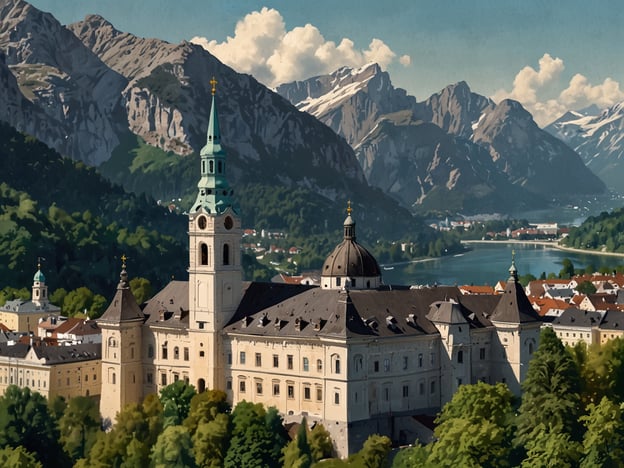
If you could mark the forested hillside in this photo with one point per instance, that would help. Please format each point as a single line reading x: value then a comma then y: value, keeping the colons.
x: 65, y: 212
x: 604, y: 232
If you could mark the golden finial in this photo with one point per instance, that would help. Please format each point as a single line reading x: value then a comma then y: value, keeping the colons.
x: 213, y: 83
x: 123, y: 261
x: 349, y: 209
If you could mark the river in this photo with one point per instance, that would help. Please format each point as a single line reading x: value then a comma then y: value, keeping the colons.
x: 487, y: 263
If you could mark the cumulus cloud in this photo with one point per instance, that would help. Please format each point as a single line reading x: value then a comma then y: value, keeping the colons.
x: 540, y: 91
x: 264, y: 48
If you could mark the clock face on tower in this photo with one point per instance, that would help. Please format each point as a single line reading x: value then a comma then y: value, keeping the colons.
x: 228, y: 222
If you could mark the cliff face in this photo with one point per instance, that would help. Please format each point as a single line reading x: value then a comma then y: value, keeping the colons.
x: 456, y: 150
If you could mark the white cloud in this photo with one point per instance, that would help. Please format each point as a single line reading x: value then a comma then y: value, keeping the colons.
x: 264, y: 48
x: 540, y: 91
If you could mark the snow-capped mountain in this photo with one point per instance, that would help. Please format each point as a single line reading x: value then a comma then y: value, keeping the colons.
x: 598, y: 139
x: 474, y: 154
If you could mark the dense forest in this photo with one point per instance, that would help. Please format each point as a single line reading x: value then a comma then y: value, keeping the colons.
x: 571, y: 411
x: 604, y: 232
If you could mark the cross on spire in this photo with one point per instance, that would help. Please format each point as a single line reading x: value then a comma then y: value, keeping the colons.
x: 213, y: 84
x: 349, y: 209
x: 123, y: 260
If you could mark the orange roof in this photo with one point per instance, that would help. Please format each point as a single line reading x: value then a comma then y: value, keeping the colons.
x: 545, y: 304
x: 476, y: 289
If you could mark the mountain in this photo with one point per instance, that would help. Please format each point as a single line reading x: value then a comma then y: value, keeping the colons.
x: 598, y: 137
x: 485, y: 156
x: 138, y: 108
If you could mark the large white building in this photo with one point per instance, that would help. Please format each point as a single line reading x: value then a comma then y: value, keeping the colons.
x: 357, y: 355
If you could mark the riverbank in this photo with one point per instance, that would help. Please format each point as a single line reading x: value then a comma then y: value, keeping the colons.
x: 552, y: 244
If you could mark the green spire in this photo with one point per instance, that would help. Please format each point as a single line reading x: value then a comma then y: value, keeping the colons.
x: 214, y: 193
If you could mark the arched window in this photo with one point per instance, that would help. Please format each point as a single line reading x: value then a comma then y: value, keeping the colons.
x: 211, y: 164
x: 226, y: 254
x: 336, y: 363
x: 204, y: 254
x: 176, y: 353
x: 203, y: 166
x: 319, y: 365
x: 306, y: 364
x: 219, y: 167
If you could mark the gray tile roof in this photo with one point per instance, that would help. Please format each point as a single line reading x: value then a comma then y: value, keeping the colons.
x: 122, y: 308
x: 514, y: 306
x: 579, y: 318
x: 270, y: 309
x: 170, y: 306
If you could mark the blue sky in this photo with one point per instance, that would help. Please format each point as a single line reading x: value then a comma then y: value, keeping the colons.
x: 551, y: 55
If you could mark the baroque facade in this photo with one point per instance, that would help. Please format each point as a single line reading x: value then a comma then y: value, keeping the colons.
x: 357, y: 355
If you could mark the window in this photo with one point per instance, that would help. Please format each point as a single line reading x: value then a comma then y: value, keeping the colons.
x: 432, y: 359
x: 150, y: 378
x: 219, y: 167
x: 228, y: 385
x: 275, y: 360
x: 405, y: 362
x: 176, y: 377
x: 289, y: 360
x: 319, y: 394
x: 459, y: 382
x: 164, y: 351
x: 176, y: 353
x: 460, y: 357
x: 386, y: 365
x: 319, y: 365
x: 150, y: 351
x: 338, y: 281
x: 204, y: 254
x: 337, y: 365
x: 306, y: 364
x: 405, y: 391
x: 226, y: 254
x: 376, y: 366
x: 306, y: 393
x: 201, y: 354
x: 259, y: 388
x: 336, y: 398
x: 433, y: 387
x: 482, y: 353
x: 258, y: 359
x: 291, y: 391
x: 163, y: 379
x: 211, y: 164
x: 276, y: 388
x: 229, y: 358
x: 387, y: 393
x: 420, y: 360
x: 353, y: 283
x: 242, y: 387
x: 186, y: 354
x: 242, y: 357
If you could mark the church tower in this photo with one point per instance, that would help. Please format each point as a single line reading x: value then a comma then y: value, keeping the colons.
x: 39, y: 289
x: 215, y: 272
x: 122, y: 375
x: 516, y: 336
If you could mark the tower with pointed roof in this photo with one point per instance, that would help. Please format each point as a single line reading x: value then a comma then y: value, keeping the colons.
x: 517, y: 331
x: 215, y: 271
x: 122, y: 375
x: 39, y: 288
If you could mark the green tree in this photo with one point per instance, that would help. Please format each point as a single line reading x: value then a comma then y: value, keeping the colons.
x: 176, y: 401
x: 258, y: 437
x: 567, y: 270
x: 173, y: 449
x: 297, y: 454
x: 205, y: 407
x: 58, y: 296
x: 320, y: 442
x: 475, y: 428
x: 603, y: 372
x: 586, y: 287
x: 211, y: 441
x: 603, y: 443
x: 79, y: 426
x: 26, y: 421
x: 551, y: 404
x: 18, y: 457
x: 374, y: 453
x: 141, y: 289
x: 409, y: 457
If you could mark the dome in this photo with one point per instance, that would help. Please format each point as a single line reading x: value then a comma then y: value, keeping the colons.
x: 39, y: 277
x: 350, y: 259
